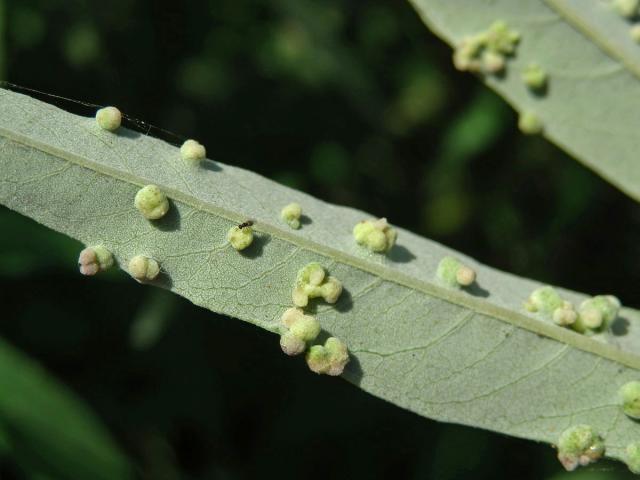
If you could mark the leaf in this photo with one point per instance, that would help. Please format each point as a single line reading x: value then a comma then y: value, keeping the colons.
x: 471, y: 357
x: 153, y: 319
x: 47, y: 429
x: 591, y: 105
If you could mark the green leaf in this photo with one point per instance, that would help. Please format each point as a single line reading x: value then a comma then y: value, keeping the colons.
x: 151, y: 322
x: 591, y: 106
x: 46, y: 429
x: 473, y: 357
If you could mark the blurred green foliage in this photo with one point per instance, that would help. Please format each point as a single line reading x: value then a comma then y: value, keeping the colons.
x: 46, y: 430
x: 354, y: 102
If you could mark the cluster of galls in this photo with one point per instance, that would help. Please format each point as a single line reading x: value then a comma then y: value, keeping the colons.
x: 312, y: 282
x: 93, y: 260
x: 454, y: 273
x: 153, y: 204
x: 486, y: 52
x: 375, y: 235
x: 300, y: 330
x: 579, y: 445
x: 594, y: 314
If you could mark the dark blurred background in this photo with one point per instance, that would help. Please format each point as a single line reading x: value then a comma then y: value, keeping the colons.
x: 355, y: 102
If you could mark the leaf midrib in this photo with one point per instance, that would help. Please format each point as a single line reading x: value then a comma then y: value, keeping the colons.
x: 606, y: 46
x: 456, y: 297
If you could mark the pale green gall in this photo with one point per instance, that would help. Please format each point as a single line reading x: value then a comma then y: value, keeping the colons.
x: 292, y: 345
x: 534, y: 77
x: 565, y: 315
x: 492, y: 62
x: 596, y: 314
x: 94, y: 259
x: 500, y: 38
x: 109, y: 118
x: 291, y: 215
x: 151, y: 202
x: 312, y: 282
x: 192, y: 152
x: 300, y: 329
x: 376, y: 235
x: 313, y: 274
x: 328, y: 359
x: 530, y: 123
x: 626, y: 8
x: 338, y: 356
x: 143, y: 268
x: 331, y: 289
x: 318, y: 359
x: 290, y: 315
x: 579, y: 445
x: 240, y: 238
x: 466, y: 56
x: 486, y: 51
x: 453, y: 273
x: 306, y: 328
x: 630, y: 397
x: 632, y: 457
x: 545, y: 300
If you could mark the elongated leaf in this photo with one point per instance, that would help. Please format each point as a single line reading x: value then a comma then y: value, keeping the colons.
x: 467, y: 357
x: 593, y: 96
x: 48, y: 430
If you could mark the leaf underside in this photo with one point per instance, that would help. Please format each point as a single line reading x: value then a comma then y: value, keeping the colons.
x: 591, y: 106
x: 470, y: 357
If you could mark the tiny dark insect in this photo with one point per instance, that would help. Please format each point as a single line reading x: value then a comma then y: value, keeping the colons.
x: 248, y: 223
